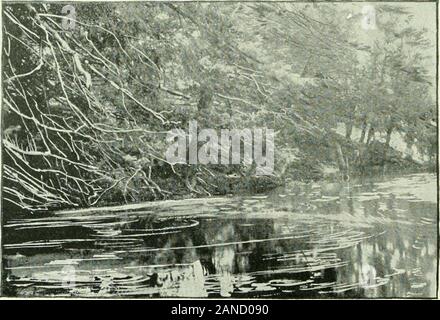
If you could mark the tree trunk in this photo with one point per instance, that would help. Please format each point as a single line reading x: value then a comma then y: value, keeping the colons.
x: 387, y: 143
x: 386, y: 147
x: 342, y: 164
x: 348, y: 130
x: 364, y: 131
x: 370, y: 135
x: 388, y: 139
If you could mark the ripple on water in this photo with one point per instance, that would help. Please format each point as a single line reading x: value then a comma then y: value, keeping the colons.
x: 301, y: 244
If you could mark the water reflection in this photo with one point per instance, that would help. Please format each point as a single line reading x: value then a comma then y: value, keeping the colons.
x: 374, y: 239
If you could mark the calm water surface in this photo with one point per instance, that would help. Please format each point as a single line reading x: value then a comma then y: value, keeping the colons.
x: 373, y: 239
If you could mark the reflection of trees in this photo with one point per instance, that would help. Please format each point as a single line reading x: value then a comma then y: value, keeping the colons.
x: 223, y: 261
x: 223, y: 258
x: 238, y: 258
x: 188, y: 262
x: 406, y: 267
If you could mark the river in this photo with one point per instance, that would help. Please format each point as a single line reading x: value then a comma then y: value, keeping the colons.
x: 375, y: 238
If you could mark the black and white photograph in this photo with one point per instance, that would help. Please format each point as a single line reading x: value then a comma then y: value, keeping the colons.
x: 219, y: 150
